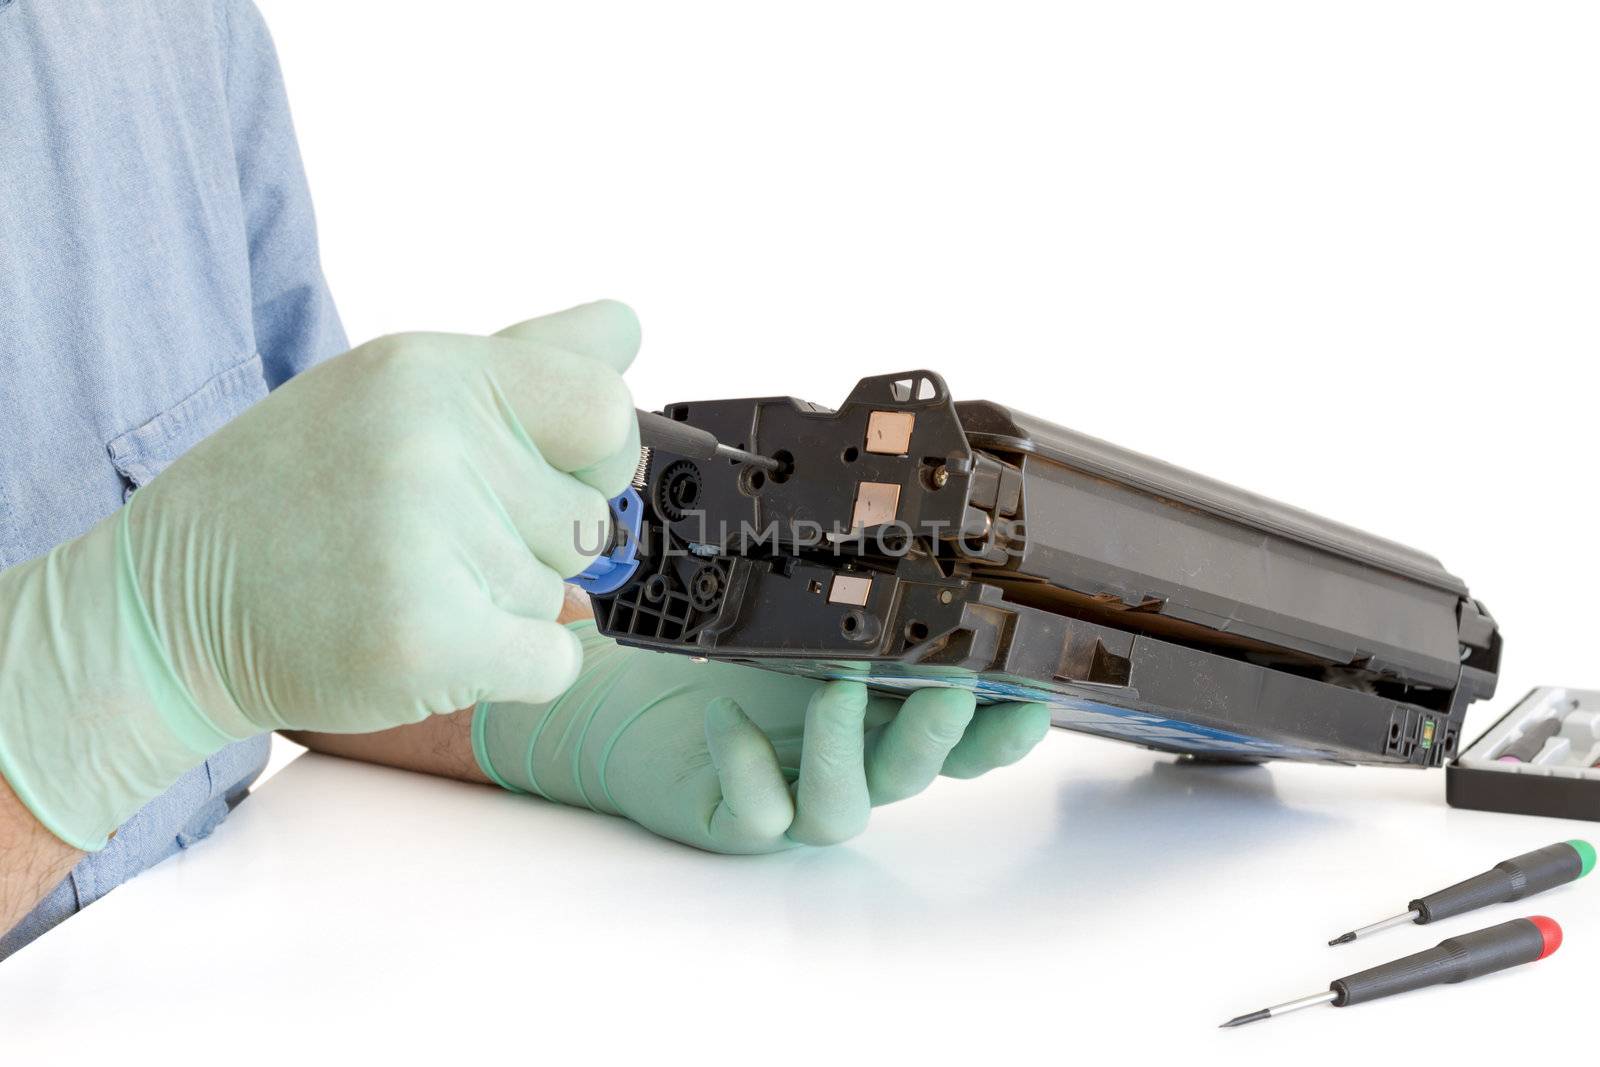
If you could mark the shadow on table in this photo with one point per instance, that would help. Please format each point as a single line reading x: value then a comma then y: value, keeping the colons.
x: 1111, y: 843
x: 993, y: 867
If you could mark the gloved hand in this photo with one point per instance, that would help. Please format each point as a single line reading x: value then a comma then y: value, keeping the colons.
x: 382, y: 538
x: 703, y: 753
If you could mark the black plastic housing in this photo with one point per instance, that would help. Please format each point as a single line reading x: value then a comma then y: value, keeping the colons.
x: 911, y: 540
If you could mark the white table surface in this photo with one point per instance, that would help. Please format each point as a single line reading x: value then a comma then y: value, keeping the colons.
x: 1094, y: 901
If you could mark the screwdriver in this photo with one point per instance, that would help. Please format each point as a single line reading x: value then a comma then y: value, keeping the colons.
x: 618, y: 558
x: 1531, y: 743
x: 1455, y: 959
x: 1514, y: 879
x: 679, y: 438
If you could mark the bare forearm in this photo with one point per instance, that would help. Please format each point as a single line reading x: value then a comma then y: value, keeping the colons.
x: 440, y: 745
x: 32, y: 859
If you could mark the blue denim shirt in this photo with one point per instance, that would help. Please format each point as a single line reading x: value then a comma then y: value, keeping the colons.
x: 158, y: 274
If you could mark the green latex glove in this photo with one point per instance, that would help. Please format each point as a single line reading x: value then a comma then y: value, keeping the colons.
x: 381, y: 539
x: 704, y: 752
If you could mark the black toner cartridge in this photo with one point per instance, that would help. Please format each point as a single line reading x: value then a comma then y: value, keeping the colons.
x: 908, y: 540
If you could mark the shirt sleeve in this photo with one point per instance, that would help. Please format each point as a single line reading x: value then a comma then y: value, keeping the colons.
x: 296, y: 324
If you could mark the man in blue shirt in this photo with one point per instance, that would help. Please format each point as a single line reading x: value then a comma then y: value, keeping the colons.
x: 159, y: 276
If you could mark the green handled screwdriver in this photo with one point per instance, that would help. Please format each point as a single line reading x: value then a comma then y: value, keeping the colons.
x: 1455, y: 959
x: 1514, y: 879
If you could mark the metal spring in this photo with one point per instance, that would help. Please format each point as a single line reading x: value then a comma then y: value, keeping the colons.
x: 641, y: 473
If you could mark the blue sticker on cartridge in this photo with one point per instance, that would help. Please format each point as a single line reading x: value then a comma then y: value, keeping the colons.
x: 1070, y: 710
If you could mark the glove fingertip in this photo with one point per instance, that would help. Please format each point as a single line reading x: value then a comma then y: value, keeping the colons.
x: 1033, y: 722
x: 724, y: 714
x: 542, y: 660
x: 1026, y: 726
x: 841, y: 696
x: 604, y: 330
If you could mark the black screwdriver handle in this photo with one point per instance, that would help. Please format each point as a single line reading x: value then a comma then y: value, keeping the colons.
x: 1532, y: 741
x: 1522, y: 876
x: 1454, y: 959
x: 676, y: 437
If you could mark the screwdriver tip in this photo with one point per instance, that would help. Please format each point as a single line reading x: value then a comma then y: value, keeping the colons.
x: 1240, y: 1020
x: 1344, y: 939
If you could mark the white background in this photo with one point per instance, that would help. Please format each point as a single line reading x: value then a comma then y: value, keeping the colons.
x: 1346, y: 255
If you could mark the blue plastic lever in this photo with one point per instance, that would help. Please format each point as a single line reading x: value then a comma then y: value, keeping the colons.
x: 611, y: 570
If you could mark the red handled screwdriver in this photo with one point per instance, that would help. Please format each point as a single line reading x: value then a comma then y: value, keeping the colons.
x: 1455, y: 959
